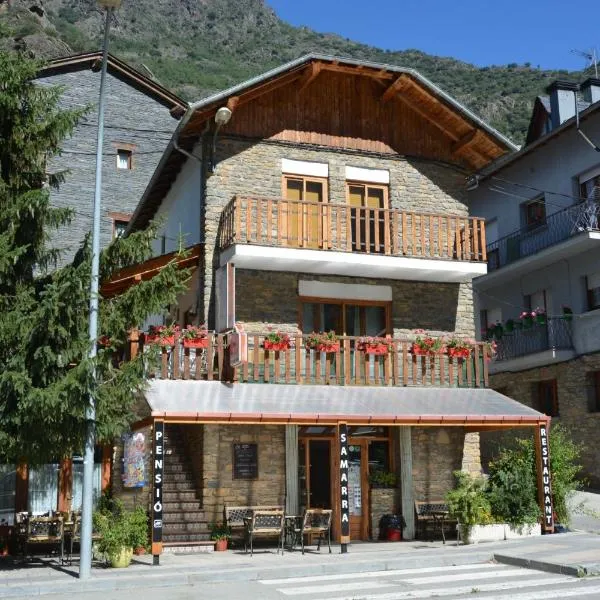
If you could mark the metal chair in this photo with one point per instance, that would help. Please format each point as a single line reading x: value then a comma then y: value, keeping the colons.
x: 264, y: 523
x: 45, y: 531
x: 316, y: 521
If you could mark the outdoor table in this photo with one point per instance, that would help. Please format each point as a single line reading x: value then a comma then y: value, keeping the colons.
x: 293, y: 529
x: 439, y: 517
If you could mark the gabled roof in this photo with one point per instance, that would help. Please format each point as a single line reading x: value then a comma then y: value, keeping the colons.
x: 120, y: 69
x: 542, y: 111
x: 472, y: 139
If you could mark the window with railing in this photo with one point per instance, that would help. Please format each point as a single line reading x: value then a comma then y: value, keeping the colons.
x: 546, y: 397
x: 534, y: 213
x: 368, y: 202
x: 304, y: 223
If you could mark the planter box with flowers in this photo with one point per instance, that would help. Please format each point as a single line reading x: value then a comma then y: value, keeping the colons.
x: 277, y: 341
x: 457, y: 348
x: 195, y: 337
x: 567, y: 313
x: 323, y: 342
x: 374, y: 345
x: 161, y: 335
x: 426, y: 345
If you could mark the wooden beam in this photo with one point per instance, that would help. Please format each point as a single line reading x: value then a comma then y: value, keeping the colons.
x: 398, y: 85
x: 310, y: 75
x: 423, y: 114
x: 465, y: 141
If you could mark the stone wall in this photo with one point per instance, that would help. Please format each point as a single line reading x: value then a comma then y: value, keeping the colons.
x: 574, y: 391
x: 219, y: 486
x: 251, y: 167
x: 383, y: 501
x: 271, y: 299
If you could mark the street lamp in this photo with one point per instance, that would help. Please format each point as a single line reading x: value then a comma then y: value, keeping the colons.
x: 85, y: 553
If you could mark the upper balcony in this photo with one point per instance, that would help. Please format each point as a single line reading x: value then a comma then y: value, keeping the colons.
x: 283, y: 235
x: 564, y: 234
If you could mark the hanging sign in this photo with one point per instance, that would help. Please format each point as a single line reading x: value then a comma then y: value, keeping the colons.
x: 157, y: 494
x: 544, y: 481
x: 134, y: 472
x: 344, y: 486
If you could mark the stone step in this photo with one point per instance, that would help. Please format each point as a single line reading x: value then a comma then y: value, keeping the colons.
x: 177, y: 477
x: 174, y: 494
x: 175, y: 528
x: 185, y: 538
x: 189, y: 547
x: 173, y: 468
x: 196, y: 516
x: 181, y: 505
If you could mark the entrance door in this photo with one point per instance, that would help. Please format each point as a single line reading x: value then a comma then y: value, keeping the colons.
x: 306, y: 227
x: 358, y: 491
x: 314, y: 462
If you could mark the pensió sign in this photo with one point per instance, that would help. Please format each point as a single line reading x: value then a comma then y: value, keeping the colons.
x: 546, y: 489
x: 344, y: 495
x: 157, y: 494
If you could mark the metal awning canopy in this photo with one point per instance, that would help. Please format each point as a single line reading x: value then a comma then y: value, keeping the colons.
x: 216, y: 402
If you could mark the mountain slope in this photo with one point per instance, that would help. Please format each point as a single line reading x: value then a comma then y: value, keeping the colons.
x: 197, y: 47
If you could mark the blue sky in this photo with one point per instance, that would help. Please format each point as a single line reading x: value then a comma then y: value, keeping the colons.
x: 486, y: 32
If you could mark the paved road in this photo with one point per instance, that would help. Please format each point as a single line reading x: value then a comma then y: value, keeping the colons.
x: 585, y: 511
x: 488, y: 581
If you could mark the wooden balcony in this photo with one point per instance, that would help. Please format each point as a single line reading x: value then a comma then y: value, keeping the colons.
x: 301, y: 366
x: 343, y: 228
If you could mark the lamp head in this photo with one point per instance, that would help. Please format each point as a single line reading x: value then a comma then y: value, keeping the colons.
x: 222, y: 116
x: 114, y: 4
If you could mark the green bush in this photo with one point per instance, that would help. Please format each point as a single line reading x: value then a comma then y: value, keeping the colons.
x: 468, y: 502
x: 119, y: 528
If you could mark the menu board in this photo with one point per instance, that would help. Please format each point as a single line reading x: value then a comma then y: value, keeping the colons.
x: 245, y: 461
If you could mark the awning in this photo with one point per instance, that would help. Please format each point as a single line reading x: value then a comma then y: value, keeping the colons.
x: 214, y: 401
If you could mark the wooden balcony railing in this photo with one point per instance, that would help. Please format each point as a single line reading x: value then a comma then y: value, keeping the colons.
x: 301, y: 366
x: 344, y: 228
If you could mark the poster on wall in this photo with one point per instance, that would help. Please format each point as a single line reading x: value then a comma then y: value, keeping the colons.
x: 134, y: 470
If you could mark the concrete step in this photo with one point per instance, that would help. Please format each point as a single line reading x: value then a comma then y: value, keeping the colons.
x: 175, y: 494
x: 189, y: 547
x: 195, y: 516
x: 180, y: 467
x: 181, y: 505
x: 185, y: 538
x: 176, y: 528
x: 177, y: 477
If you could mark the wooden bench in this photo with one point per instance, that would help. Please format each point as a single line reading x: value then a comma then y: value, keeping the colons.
x: 235, y: 517
x: 431, y: 514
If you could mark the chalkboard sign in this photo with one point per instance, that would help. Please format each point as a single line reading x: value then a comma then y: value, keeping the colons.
x: 245, y: 461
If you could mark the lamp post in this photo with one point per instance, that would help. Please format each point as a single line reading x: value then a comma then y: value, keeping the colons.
x: 85, y: 561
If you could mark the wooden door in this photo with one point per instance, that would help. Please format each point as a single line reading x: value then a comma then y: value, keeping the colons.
x: 358, y: 463
x: 369, y: 217
x: 306, y: 225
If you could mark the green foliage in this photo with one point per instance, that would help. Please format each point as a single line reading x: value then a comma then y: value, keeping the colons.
x: 468, y: 502
x: 119, y: 528
x: 220, y: 531
x: 385, y: 479
x: 513, y: 486
x: 46, y: 376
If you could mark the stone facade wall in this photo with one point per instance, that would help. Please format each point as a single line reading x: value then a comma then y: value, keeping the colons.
x: 437, y: 452
x: 221, y: 489
x: 250, y: 167
x: 271, y: 299
x: 574, y: 390
x: 133, y: 497
x: 131, y: 118
x: 383, y: 501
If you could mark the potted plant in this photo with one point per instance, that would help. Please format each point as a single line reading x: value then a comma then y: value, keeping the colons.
x: 374, y: 345
x: 195, y: 337
x: 567, y: 313
x: 275, y: 340
x: 382, y: 479
x: 323, y: 342
x: 161, y: 335
x: 540, y: 316
x: 220, y: 533
x: 527, y: 319
x: 509, y: 325
x: 425, y: 344
x: 120, y: 532
x: 457, y: 348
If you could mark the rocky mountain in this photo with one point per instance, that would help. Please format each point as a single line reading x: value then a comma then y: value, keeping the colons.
x: 196, y: 47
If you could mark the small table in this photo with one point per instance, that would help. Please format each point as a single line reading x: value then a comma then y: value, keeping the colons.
x: 293, y: 529
x: 440, y: 516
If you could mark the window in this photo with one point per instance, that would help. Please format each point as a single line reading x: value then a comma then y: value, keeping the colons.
x: 593, y: 389
x: 534, y: 213
x: 43, y: 488
x: 8, y: 482
x: 593, y: 291
x: 547, y: 397
x: 535, y: 300
x: 590, y: 188
x: 124, y: 159
x: 488, y: 317
x: 306, y: 226
x: 119, y: 228
x: 367, y: 202
x: 346, y: 318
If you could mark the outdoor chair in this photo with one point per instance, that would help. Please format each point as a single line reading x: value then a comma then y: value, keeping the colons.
x: 264, y: 523
x: 45, y: 531
x: 316, y: 521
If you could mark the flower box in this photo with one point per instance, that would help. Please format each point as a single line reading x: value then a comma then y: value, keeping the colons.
x: 459, y: 352
x: 377, y: 349
x: 198, y: 343
x: 167, y: 340
x: 419, y: 351
x: 335, y: 347
x: 276, y: 346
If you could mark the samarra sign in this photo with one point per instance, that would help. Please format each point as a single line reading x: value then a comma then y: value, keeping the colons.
x: 344, y: 496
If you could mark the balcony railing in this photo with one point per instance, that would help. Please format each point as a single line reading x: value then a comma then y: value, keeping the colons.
x: 557, y: 228
x: 301, y: 366
x: 555, y: 334
x: 344, y: 228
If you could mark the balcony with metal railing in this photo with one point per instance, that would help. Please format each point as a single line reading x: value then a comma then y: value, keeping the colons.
x: 280, y: 234
x: 578, y: 224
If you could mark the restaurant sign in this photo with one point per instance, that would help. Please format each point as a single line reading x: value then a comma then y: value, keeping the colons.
x: 546, y: 488
x: 344, y: 487
x: 157, y: 493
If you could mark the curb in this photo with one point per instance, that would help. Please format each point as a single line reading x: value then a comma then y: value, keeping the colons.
x: 549, y: 567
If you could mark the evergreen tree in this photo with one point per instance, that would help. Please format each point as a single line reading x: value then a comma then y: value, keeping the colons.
x: 45, y: 375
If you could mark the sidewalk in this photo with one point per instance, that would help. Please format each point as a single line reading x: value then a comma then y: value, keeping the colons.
x: 569, y: 553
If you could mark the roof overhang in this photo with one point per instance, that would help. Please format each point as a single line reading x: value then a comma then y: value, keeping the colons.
x: 183, y: 401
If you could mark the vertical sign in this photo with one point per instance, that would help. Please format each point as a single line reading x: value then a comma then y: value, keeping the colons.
x: 157, y: 494
x: 544, y: 485
x: 344, y: 495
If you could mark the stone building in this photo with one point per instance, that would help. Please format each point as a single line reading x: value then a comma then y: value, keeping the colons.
x: 326, y: 195
x: 543, y: 236
x: 140, y: 116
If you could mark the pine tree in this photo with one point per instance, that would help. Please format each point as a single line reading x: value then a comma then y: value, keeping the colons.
x: 45, y: 375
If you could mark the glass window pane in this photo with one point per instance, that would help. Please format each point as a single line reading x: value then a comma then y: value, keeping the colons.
x: 375, y: 198
x: 294, y: 189
x: 332, y: 321
x: 352, y: 320
x: 356, y: 195
x: 314, y: 191
x: 78, y: 483
x: 308, y: 320
x: 8, y: 482
x: 379, y: 456
x: 375, y: 320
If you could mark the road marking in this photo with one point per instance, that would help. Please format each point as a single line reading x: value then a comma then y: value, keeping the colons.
x: 336, y: 587
x: 550, y: 594
x: 468, y: 576
x: 372, y: 574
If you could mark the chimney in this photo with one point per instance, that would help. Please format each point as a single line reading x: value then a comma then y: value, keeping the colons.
x: 562, y: 101
x: 590, y: 90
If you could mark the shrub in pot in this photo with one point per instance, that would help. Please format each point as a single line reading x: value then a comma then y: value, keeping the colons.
x: 120, y: 532
x: 382, y: 479
x: 220, y: 533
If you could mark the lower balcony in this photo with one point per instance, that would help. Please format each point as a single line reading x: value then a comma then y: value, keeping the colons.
x: 339, y: 239
x: 535, y: 346
x: 398, y: 364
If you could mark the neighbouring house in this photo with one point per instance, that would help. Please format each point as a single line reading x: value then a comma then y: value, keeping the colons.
x: 140, y: 117
x: 324, y: 196
x: 541, y: 207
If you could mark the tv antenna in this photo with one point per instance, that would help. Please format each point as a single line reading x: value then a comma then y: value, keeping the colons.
x: 589, y: 55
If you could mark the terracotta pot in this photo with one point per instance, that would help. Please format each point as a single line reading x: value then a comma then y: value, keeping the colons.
x: 220, y: 545
x: 197, y: 343
x: 139, y: 551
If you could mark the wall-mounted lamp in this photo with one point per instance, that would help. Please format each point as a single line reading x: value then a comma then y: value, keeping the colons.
x: 222, y: 117
x: 472, y: 183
